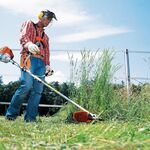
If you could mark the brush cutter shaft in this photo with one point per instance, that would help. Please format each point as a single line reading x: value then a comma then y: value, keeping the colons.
x: 62, y: 95
x: 46, y: 84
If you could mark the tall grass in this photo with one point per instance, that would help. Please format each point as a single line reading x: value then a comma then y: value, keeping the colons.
x: 92, y: 76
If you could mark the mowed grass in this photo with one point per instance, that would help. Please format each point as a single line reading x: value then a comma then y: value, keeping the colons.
x: 53, y: 133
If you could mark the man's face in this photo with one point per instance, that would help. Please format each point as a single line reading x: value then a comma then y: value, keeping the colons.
x: 45, y: 21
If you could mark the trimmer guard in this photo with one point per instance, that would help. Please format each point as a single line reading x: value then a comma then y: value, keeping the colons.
x: 83, y: 116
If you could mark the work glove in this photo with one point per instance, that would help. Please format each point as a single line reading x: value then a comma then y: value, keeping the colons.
x: 49, y: 71
x: 32, y: 48
x: 5, y: 58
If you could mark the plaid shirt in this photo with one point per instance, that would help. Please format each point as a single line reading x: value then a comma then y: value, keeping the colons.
x: 28, y: 34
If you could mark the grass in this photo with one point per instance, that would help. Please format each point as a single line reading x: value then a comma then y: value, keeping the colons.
x: 54, y: 133
x: 93, y: 74
x: 93, y: 77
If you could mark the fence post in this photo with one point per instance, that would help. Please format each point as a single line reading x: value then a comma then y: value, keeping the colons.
x: 127, y: 74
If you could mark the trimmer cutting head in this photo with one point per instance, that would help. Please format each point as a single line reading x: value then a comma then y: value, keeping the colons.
x: 83, y: 116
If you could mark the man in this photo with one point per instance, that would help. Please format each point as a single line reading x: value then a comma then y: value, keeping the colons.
x: 35, y: 57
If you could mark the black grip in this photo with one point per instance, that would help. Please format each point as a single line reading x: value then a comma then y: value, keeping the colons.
x: 48, y: 72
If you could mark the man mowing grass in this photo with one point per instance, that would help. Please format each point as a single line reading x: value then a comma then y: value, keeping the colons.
x: 35, y: 57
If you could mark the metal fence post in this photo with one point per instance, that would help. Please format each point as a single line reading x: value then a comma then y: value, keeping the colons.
x: 127, y: 74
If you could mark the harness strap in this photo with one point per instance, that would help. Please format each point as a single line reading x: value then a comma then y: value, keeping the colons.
x: 39, y: 39
x: 25, y: 61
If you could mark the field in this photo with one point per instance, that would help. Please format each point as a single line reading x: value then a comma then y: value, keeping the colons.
x: 53, y: 133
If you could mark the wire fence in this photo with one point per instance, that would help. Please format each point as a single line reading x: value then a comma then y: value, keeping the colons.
x: 139, y: 65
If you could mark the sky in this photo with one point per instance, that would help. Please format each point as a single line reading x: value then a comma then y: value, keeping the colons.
x: 82, y: 24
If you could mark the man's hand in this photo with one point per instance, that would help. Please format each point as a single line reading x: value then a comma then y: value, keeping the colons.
x: 49, y: 71
x: 5, y: 58
x: 32, y: 48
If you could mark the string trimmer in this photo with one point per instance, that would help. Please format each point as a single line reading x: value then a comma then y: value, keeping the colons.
x: 80, y: 116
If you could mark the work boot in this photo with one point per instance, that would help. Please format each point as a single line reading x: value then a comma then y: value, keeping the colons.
x: 10, y: 118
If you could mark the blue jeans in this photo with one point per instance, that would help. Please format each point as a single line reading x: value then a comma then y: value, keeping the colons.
x: 29, y: 86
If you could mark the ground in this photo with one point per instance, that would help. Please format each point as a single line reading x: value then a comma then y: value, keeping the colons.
x: 53, y: 133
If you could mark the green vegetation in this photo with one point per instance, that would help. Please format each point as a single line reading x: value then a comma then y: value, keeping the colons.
x: 96, y: 92
x: 54, y: 134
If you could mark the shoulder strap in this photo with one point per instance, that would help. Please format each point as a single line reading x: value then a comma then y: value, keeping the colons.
x: 43, y: 35
x: 37, y: 34
x: 36, y: 30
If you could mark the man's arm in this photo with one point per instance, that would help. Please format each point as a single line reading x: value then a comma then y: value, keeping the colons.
x: 25, y: 32
x: 27, y: 36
